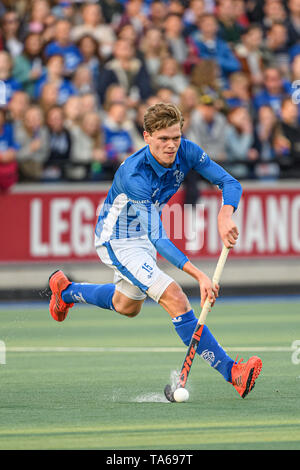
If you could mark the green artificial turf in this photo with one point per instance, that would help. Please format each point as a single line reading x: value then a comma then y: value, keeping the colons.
x: 112, y: 398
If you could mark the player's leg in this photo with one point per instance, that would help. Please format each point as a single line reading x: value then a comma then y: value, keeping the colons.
x: 106, y: 296
x: 66, y: 293
x: 176, y: 303
x: 135, y: 263
x: 100, y: 295
x: 120, y: 296
x: 241, y: 375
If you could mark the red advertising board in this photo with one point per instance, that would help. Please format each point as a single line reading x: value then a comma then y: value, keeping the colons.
x: 59, y: 225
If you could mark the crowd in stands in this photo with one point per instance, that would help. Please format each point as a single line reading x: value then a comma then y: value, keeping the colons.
x: 77, y: 76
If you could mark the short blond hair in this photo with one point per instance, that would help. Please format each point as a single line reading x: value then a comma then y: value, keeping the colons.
x: 161, y: 116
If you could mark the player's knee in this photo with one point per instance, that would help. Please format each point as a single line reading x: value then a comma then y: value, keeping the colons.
x: 131, y: 315
x: 125, y: 306
x: 131, y: 311
x: 174, y: 299
x: 181, y: 302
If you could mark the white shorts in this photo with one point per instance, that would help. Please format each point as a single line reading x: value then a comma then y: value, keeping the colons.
x: 136, y: 272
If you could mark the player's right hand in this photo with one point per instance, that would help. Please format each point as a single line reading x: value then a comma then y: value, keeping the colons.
x: 208, y: 290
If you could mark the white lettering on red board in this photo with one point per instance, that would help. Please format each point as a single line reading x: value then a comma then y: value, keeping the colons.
x: 254, y: 232
x: 277, y: 223
x: 270, y: 225
x: 38, y: 248
x: 295, y: 220
x: 59, y: 227
x: 71, y: 228
x: 267, y: 225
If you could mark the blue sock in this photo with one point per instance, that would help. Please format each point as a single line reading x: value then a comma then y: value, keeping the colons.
x: 95, y: 294
x: 208, y: 347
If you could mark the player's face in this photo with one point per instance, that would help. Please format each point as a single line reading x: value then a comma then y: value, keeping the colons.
x: 164, y: 144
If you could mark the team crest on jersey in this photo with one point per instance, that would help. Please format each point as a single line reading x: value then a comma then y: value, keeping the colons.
x: 179, y: 175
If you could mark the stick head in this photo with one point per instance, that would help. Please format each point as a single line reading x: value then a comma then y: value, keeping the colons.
x: 169, y: 394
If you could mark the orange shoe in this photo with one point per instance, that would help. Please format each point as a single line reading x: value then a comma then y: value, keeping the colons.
x: 58, y: 308
x: 244, y: 375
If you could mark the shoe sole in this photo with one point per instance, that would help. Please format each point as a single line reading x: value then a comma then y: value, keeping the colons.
x: 252, y: 377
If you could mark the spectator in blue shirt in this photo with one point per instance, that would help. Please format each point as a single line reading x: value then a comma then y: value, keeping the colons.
x: 89, y: 49
x: 118, y: 141
x: 11, y: 85
x: 210, y: 46
x: 63, y: 46
x: 238, y: 93
x: 64, y: 9
x: 294, y: 51
x: 275, y: 90
x: 54, y: 74
x: 8, y: 144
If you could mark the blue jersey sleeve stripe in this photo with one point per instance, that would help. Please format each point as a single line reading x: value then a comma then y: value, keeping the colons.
x: 123, y: 270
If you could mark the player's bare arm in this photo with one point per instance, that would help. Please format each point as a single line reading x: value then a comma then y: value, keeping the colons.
x: 207, y: 289
x: 227, y: 228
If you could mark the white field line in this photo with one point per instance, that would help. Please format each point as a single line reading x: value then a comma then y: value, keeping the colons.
x: 80, y: 349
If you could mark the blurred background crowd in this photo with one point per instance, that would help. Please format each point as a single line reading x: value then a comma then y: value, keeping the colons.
x: 76, y: 78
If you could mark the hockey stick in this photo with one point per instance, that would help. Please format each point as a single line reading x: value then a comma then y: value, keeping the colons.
x: 191, y: 352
